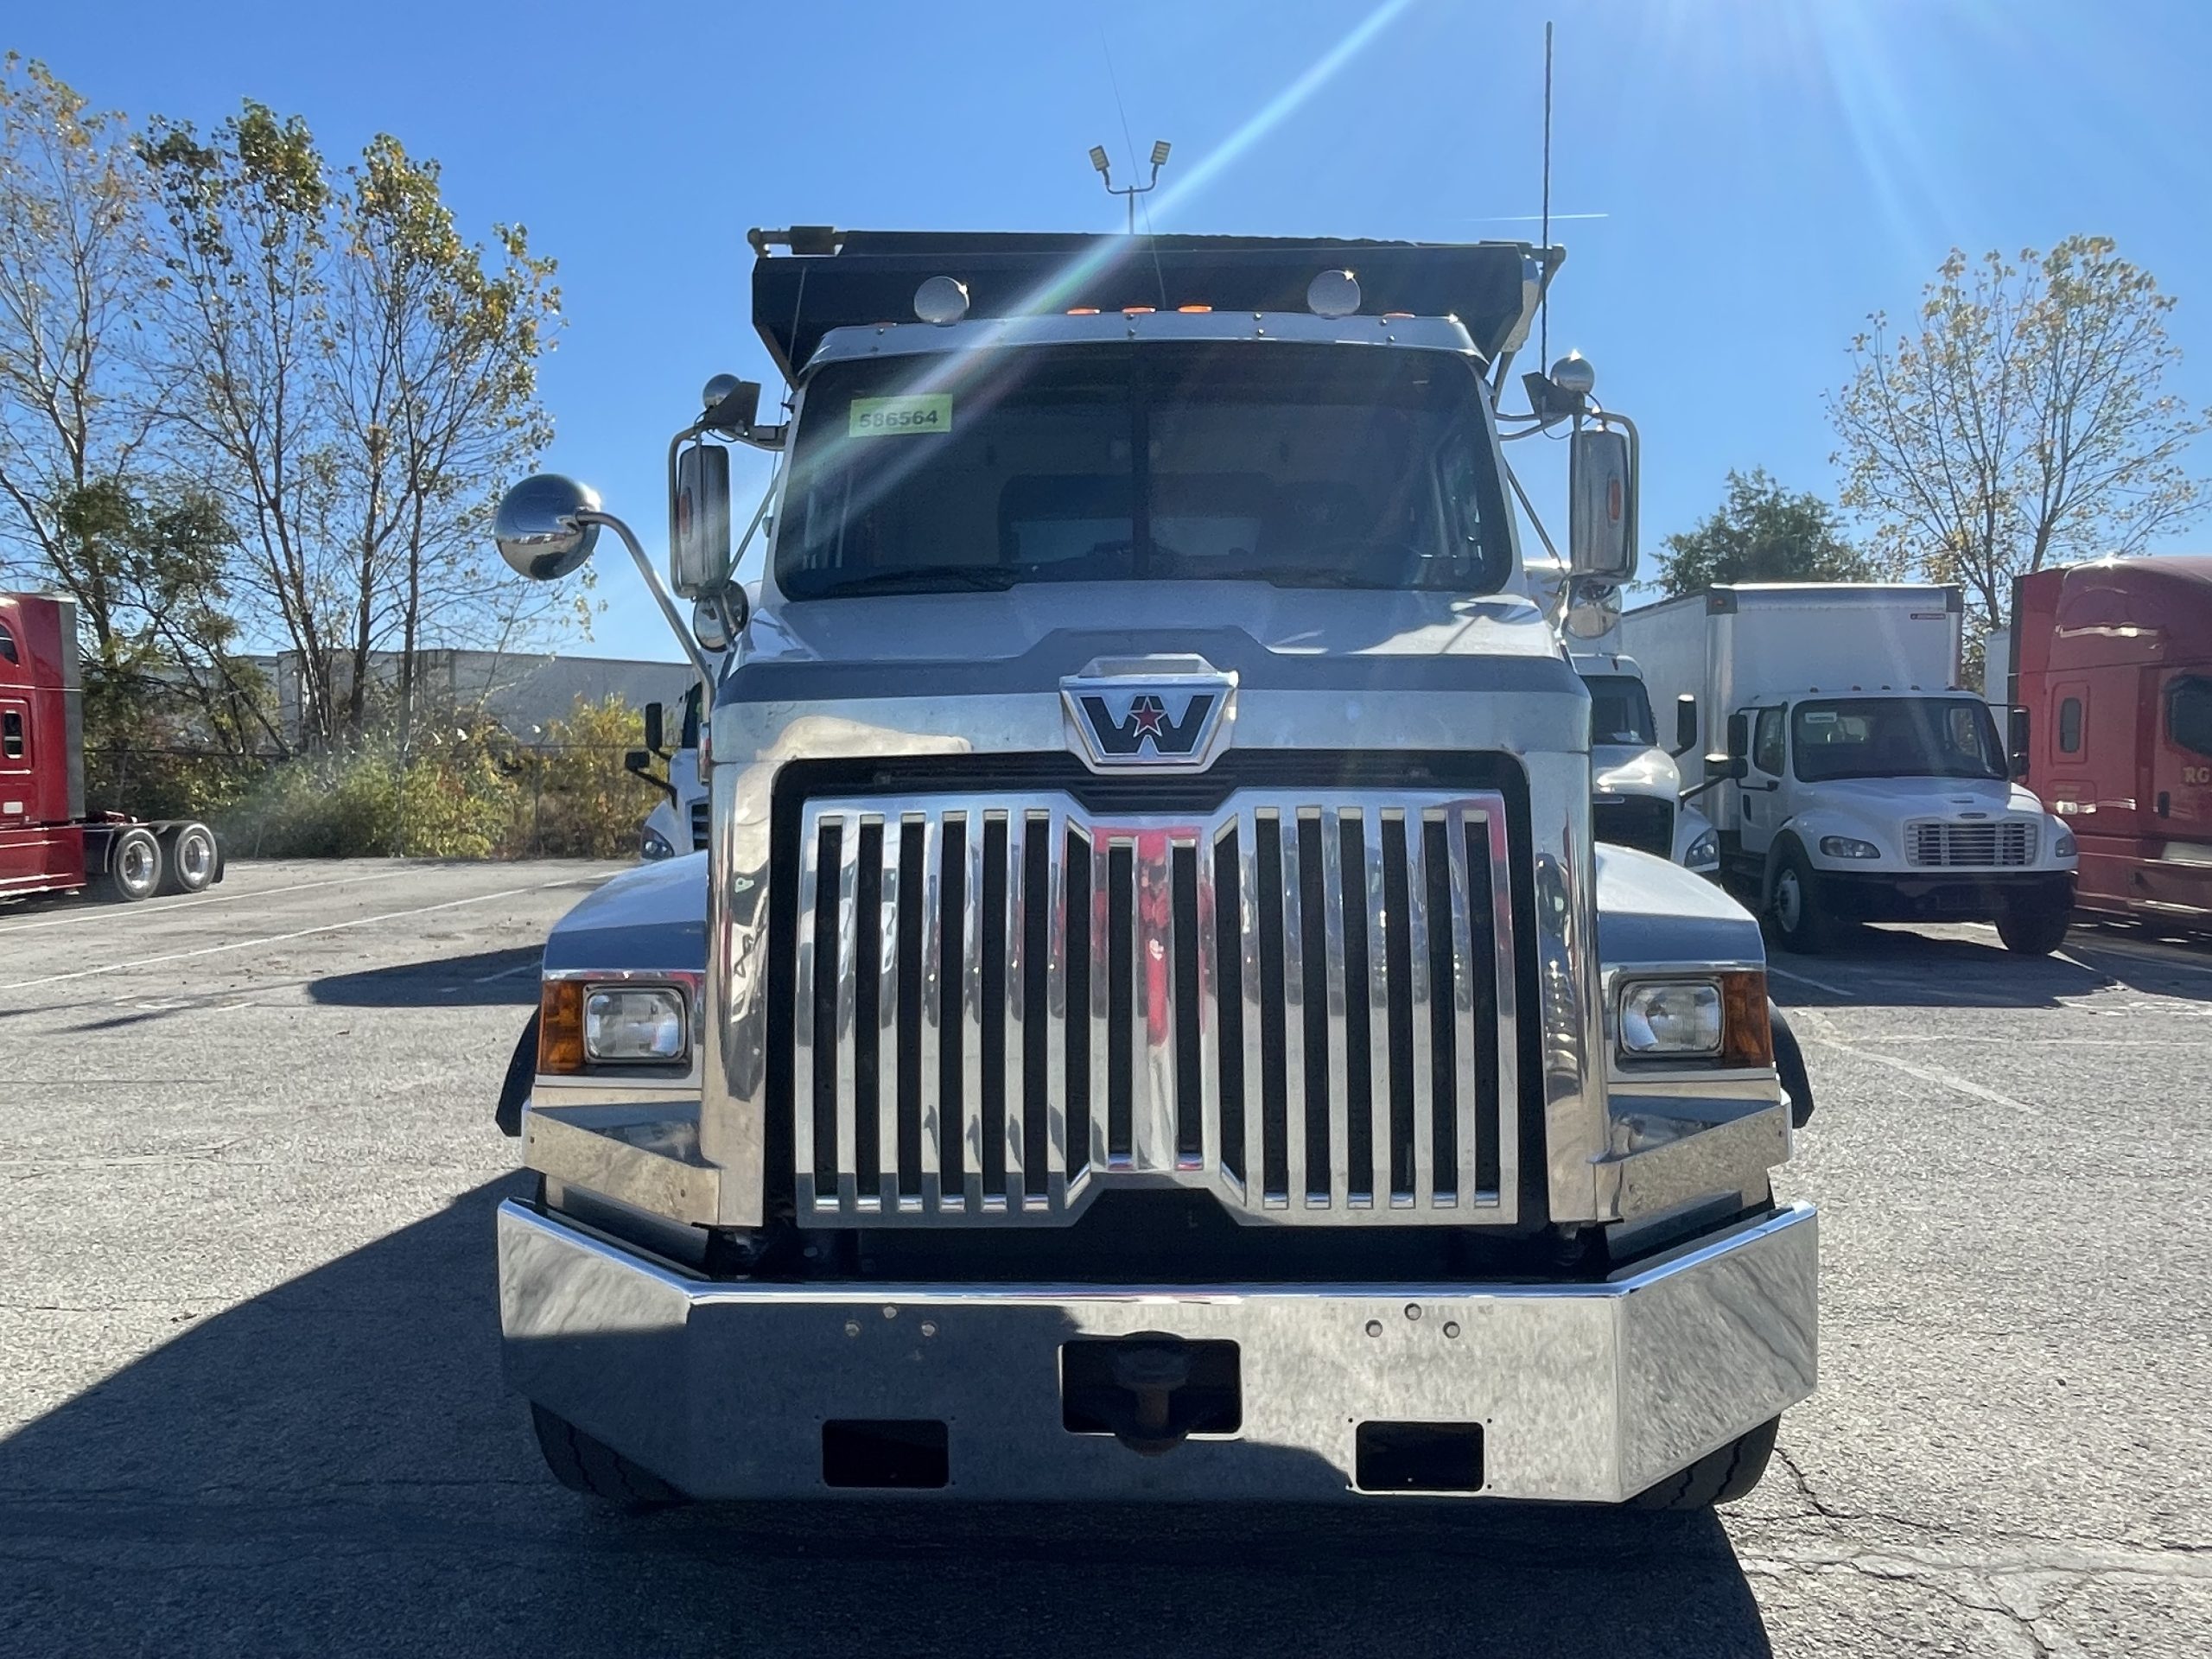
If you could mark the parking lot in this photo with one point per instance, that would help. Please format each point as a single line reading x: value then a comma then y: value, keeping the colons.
x: 250, y: 1399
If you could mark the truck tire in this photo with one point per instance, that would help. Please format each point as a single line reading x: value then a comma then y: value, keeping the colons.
x: 1793, y: 907
x: 2034, y: 929
x: 583, y: 1464
x: 134, y: 866
x: 190, y: 859
x: 1720, y: 1477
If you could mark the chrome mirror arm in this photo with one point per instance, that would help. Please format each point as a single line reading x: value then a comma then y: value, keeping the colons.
x: 659, y: 590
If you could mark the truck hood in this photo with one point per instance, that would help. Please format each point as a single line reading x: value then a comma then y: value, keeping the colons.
x: 1618, y: 769
x: 1943, y: 798
x: 652, y: 919
x: 1000, y: 626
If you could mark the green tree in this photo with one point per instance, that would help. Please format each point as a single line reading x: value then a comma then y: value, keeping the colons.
x: 1763, y: 532
x: 2022, y: 423
x: 78, y: 405
x: 360, y: 379
x: 244, y: 261
x: 433, y: 352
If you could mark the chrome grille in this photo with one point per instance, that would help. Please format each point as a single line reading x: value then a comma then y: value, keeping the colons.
x: 1936, y: 844
x: 1303, y: 1002
x: 702, y: 820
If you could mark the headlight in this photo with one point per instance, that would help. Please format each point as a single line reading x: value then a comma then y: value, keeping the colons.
x: 2064, y: 847
x: 1705, y: 850
x: 653, y: 844
x: 1845, y: 847
x: 1670, y: 1018
x: 634, y: 1024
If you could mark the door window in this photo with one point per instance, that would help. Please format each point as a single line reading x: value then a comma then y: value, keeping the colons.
x: 7, y: 645
x: 11, y: 735
x: 2069, y: 726
x: 1766, y: 742
x: 2189, y: 714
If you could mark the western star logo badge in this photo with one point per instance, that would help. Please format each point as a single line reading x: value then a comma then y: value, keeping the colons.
x: 1151, y: 713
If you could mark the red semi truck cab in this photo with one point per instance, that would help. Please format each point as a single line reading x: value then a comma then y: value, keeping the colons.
x: 47, y: 844
x: 2112, y: 661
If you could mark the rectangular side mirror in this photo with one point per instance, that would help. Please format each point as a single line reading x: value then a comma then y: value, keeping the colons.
x: 1685, y: 724
x: 1601, y: 504
x: 654, y: 719
x: 638, y: 763
x: 2016, y: 739
x: 1739, y: 735
x: 698, y: 552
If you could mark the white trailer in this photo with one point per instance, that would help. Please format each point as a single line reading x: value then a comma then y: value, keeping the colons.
x: 1861, y: 781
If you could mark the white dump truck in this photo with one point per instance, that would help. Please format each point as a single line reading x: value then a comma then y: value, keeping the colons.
x: 1152, y: 1021
x: 1853, y: 779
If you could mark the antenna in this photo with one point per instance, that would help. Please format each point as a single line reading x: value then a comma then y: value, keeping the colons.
x: 1544, y: 305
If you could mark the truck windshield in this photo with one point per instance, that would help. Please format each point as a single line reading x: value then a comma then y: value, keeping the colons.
x: 1895, y: 737
x: 1620, y: 710
x: 1300, y: 465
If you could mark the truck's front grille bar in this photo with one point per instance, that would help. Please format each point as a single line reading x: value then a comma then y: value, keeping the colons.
x: 1938, y: 845
x: 1303, y: 1001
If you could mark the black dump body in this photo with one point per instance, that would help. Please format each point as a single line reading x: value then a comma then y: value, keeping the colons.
x: 835, y: 279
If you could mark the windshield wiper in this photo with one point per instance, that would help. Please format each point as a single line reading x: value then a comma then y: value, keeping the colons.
x: 945, y: 578
x: 1310, y: 576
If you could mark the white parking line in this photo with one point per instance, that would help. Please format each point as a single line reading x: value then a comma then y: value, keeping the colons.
x: 305, y: 932
x: 1806, y: 979
x: 1823, y: 1032
x: 193, y: 901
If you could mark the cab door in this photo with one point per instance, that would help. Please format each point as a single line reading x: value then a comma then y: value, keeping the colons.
x: 1760, y: 795
x: 2181, y: 758
x: 23, y: 856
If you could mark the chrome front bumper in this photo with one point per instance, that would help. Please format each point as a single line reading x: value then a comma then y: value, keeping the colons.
x: 1588, y: 1392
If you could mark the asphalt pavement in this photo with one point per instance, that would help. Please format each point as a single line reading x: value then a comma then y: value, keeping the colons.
x: 250, y: 1397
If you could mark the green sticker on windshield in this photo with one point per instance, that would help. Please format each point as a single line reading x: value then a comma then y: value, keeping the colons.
x: 884, y: 418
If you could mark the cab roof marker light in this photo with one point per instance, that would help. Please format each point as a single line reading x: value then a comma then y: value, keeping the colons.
x: 1083, y: 310
x: 1139, y: 310
x: 941, y: 300
x: 1194, y: 310
x: 1332, y: 294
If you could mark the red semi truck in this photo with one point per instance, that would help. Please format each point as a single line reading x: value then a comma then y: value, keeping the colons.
x: 47, y: 843
x: 2112, y: 662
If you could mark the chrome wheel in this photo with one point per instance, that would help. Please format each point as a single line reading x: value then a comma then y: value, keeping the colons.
x: 192, y: 859
x: 139, y: 865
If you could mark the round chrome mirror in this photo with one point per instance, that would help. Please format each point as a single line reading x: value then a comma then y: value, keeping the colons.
x: 537, y: 530
x: 1574, y: 375
x: 707, y: 626
x: 722, y: 386
x: 1593, y: 610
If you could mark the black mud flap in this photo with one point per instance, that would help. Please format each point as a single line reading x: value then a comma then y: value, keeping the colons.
x: 522, y: 1071
x: 1789, y: 1062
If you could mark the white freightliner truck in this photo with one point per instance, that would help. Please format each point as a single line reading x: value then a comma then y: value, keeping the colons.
x: 1152, y: 1021
x: 677, y: 823
x: 1636, y: 785
x: 1853, y: 779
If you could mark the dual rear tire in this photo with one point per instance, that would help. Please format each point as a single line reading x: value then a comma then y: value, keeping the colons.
x: 142, y: 860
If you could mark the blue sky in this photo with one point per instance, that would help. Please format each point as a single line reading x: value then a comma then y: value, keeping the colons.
x: 1768, y: 171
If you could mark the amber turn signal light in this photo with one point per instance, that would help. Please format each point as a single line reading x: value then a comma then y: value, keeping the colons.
x: 561, y: 1026
x: 1747, y: 1038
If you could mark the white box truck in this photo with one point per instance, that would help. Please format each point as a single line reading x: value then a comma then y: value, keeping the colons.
x: 1851, y: 778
